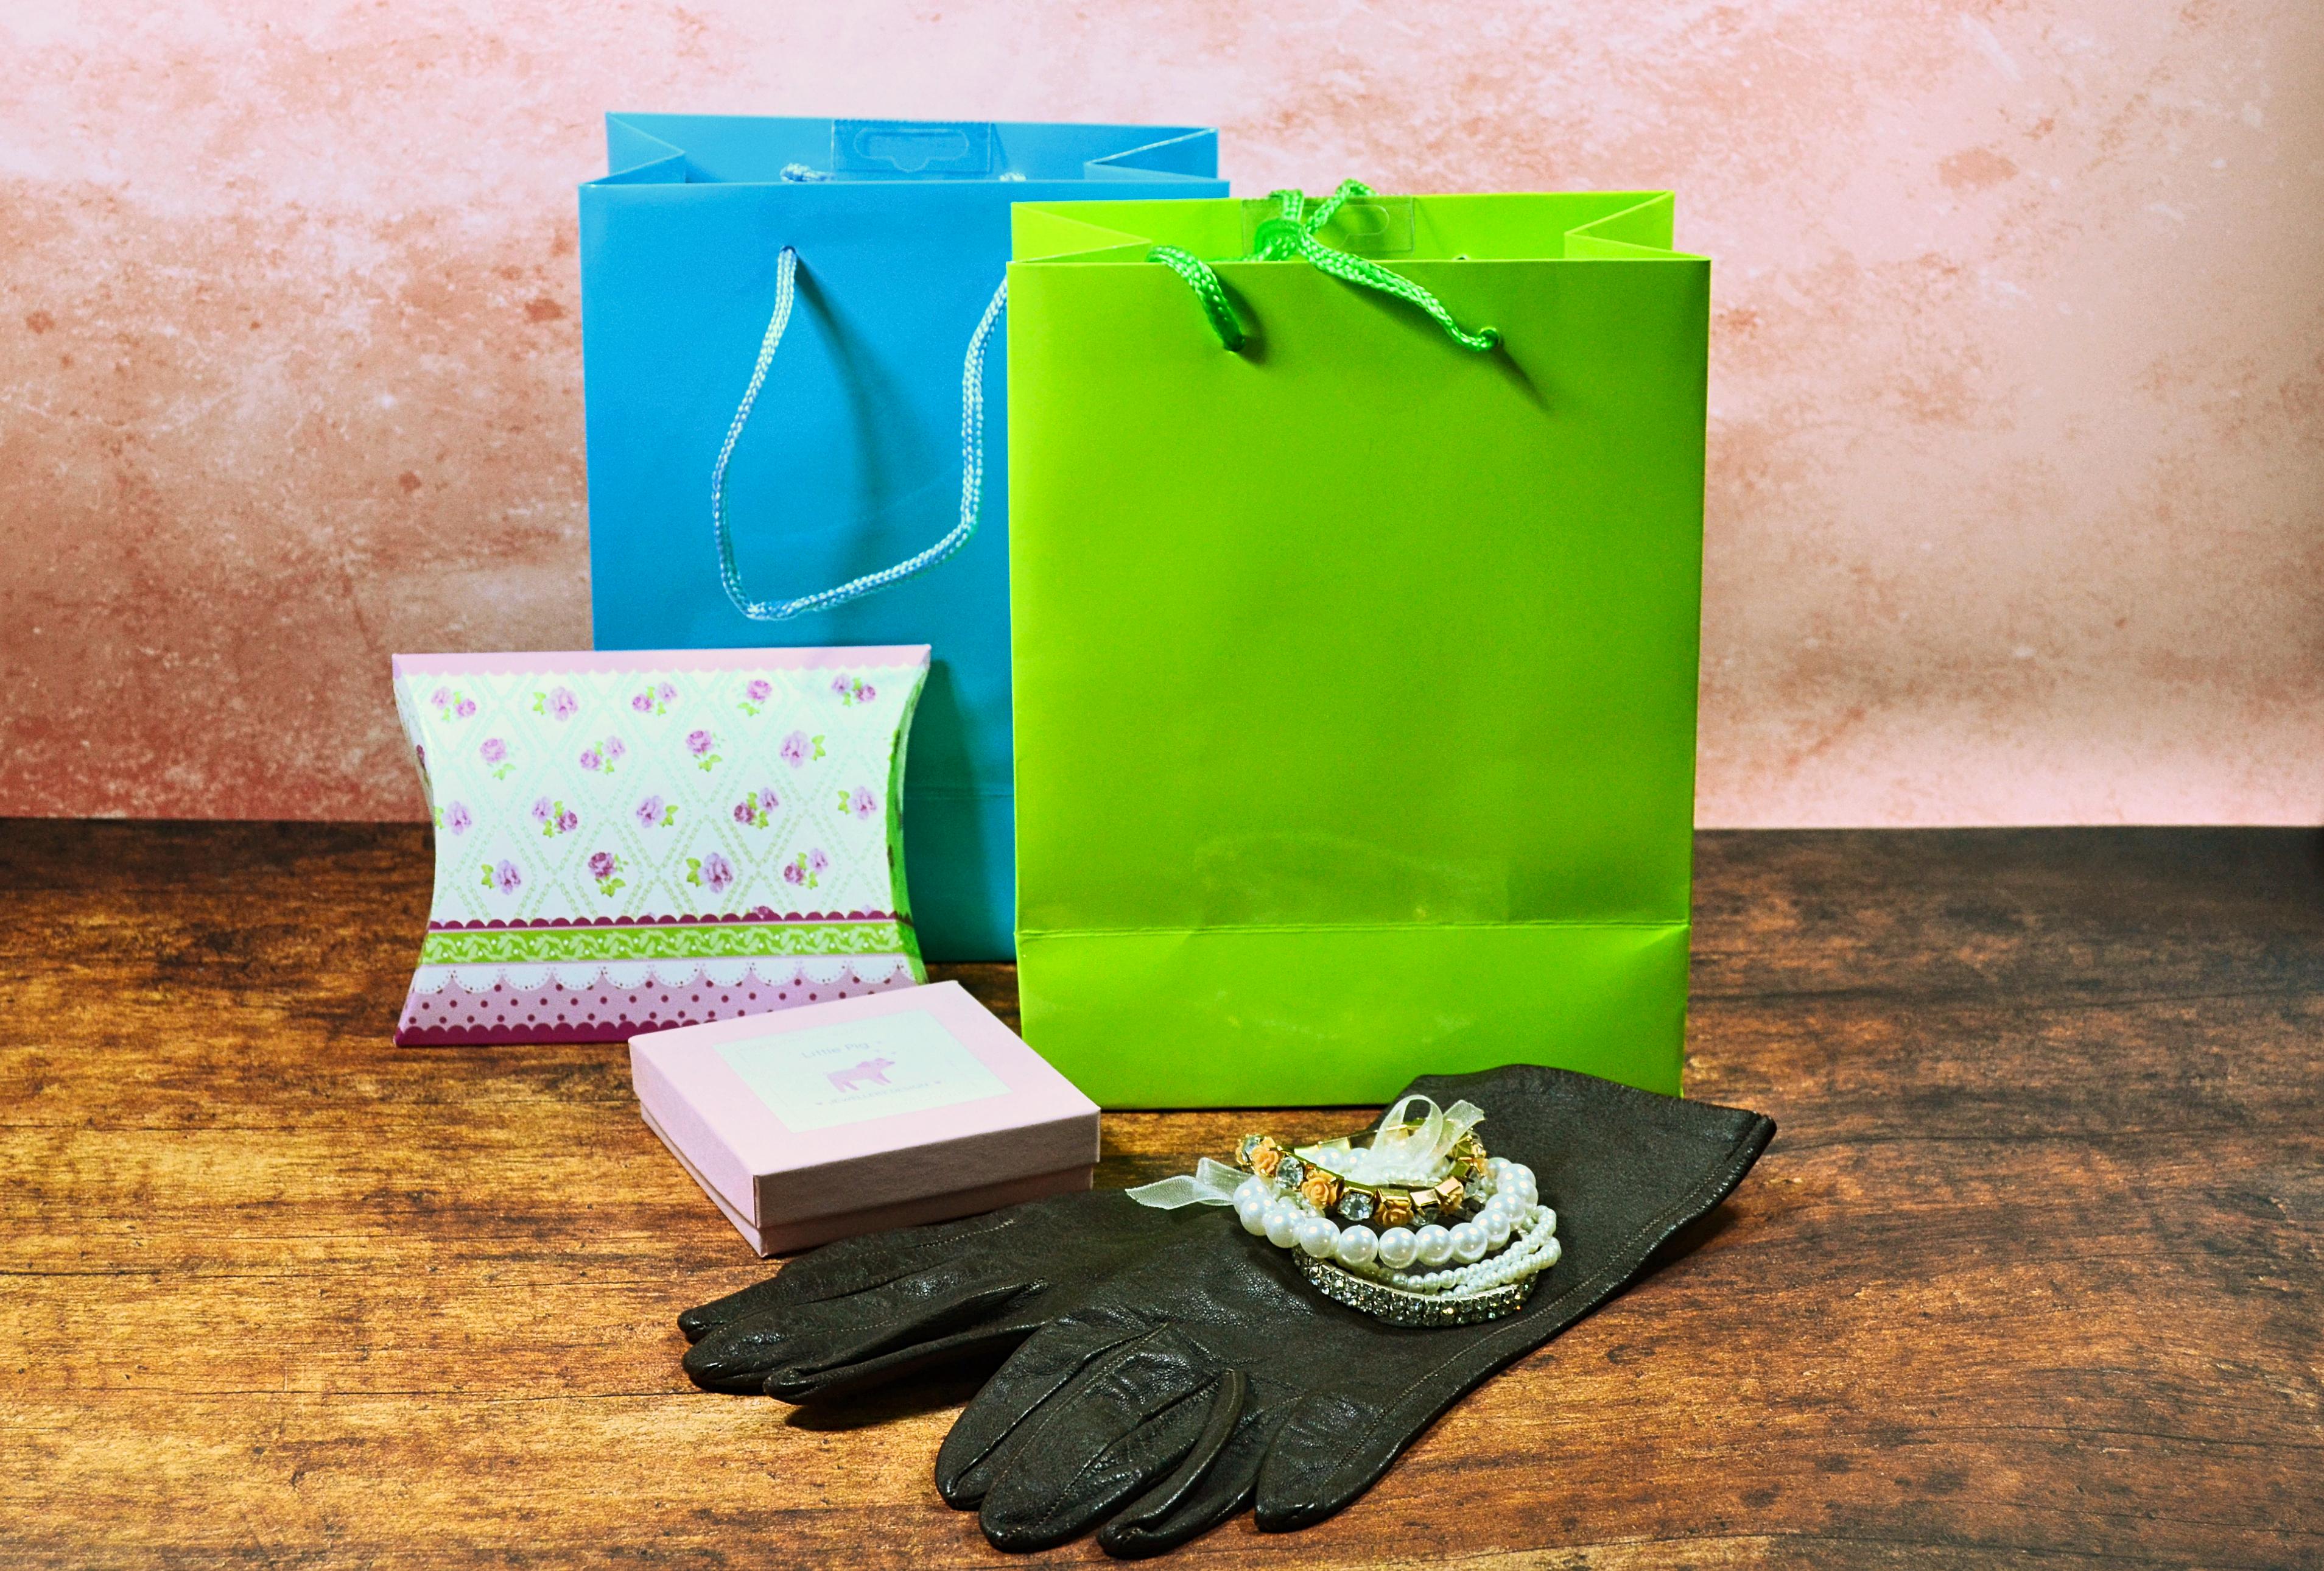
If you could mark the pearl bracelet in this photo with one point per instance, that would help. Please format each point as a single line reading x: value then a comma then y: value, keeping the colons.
x: 1477, y: 1269
x: 1289, y: 1219
x: 1463, y: 1235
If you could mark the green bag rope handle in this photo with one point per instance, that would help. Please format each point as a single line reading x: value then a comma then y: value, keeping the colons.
x: 1290, y: 237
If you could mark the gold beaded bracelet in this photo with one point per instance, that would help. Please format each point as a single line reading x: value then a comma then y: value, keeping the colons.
x: 1445, y: 1202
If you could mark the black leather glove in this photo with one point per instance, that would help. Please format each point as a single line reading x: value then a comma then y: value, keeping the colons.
x: 1208, y: 1373
x: 866, y: 1310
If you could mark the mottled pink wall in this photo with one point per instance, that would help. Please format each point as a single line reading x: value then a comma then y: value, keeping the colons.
x: 2017, y: 411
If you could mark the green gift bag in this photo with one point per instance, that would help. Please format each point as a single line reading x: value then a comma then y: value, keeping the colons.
x: 1355, y: 568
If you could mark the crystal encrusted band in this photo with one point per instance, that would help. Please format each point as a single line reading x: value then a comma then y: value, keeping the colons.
x: 1399, y: 1308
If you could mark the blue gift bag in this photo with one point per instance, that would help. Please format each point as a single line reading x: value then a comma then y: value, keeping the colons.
x: 783, y: 328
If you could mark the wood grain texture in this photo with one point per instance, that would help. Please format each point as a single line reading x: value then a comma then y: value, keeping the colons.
x: 2031, y: 1274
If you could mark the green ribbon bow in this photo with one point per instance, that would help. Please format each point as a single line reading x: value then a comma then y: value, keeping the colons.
x: 1290, y: 237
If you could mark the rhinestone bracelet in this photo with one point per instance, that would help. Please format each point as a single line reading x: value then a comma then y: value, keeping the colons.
x: 1481, y: 1267
x: 1462, y: 1235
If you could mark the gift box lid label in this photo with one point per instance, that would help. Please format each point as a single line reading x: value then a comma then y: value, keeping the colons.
x: 872, y: 1067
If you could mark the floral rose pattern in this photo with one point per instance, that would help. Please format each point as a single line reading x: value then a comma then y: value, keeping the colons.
x: 554, y: 791
x: 602, y: 756
x: 713, y: 872
x: 605, y: 868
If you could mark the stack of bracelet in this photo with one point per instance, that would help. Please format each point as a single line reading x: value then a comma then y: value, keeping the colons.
x: 1477, y: 1231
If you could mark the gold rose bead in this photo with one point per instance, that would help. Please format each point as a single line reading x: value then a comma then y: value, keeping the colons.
x: 1247, y: 1149
x: 1394, y: 1208
x: 1321, y: 1191
x: 1469, y: 1158
x: 1266, y: 1159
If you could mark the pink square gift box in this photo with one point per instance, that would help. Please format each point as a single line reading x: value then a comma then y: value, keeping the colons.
x: 882, y: 1111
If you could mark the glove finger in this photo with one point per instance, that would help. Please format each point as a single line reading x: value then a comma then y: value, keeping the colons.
x: 1123, y: 1424
x: 851, y: 1266
x: 1035, y: 1372
x: 1213, y: 1481
x: 839, y: 1382
x: 704, y: 1318
x: 1327, y: 1452
x: 798, y: 1340
x: 1222, y: 1424
x: 872, y: 1260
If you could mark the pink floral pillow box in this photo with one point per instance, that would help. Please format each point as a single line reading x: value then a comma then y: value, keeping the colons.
x: 630, y: 840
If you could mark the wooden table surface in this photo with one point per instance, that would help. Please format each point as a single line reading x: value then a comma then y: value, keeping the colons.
x: 2030, y: 1274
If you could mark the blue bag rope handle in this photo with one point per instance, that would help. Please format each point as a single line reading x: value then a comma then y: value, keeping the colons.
x: 972, y: 465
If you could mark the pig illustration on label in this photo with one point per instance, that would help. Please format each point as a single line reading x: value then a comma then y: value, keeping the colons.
x: 869, y: 1072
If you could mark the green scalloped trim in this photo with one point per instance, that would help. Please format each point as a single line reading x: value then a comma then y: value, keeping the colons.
x: 707, y: 941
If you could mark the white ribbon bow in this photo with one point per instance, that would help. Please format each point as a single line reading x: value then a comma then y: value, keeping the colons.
x: 1210, y: 1184
x: 1405, y: 1148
